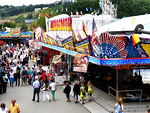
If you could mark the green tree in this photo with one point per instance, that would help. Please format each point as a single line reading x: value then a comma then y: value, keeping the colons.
x: 23, y: 26
x: 29, y: 16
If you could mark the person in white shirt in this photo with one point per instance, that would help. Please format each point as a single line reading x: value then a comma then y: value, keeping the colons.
x: 53, y: 89
x: 36, y: 86
x: 3, y: 108
x: 11, y: 77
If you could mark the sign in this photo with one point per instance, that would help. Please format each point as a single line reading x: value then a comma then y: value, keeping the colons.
x: 51, y: 41
x: 83, y: 46
x: 62, y: 24
x: 68, y: 43
x: 80, y: 62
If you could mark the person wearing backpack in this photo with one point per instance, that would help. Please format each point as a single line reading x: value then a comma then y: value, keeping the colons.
x: 67, y: 91
x: 18, y: 76
x: 45, y: 90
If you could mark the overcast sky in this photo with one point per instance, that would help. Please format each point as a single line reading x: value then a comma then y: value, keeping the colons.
x: 25, y: 2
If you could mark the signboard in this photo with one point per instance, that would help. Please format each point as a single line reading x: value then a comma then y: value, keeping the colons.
x: 68, y: 43
x: 80, y: 62
x: 83, y: 46
x: 51, y: 41
x: 62, y: 24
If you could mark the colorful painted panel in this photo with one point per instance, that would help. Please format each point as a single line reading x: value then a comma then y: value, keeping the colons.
x: 83, y: 46
x: 68, y: 43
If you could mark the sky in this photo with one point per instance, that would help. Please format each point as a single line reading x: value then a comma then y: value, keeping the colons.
x: 25, y: 2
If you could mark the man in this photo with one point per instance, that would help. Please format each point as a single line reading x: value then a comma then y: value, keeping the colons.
x: 14, y: 108
x: 24, y: 76
x: 44, y: 77
x: 33, y: 74
x: 36, y: 86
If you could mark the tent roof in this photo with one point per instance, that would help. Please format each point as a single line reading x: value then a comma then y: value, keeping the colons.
x: 127, y: 24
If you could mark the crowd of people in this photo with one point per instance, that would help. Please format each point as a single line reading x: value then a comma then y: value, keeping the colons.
x: 14, y: 68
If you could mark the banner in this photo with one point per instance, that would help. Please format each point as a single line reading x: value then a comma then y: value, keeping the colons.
x: 83, y: 46
x: 80, y: 62
x: 68, y: 43
x: 63, y: 24
x: 51, y: 41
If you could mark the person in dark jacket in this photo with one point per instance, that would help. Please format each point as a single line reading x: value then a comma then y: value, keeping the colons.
x: 1, y: 84
x: 67, y: 91
x: 76, y: 91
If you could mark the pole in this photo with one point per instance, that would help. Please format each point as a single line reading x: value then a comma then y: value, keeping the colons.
x: 117, y: 85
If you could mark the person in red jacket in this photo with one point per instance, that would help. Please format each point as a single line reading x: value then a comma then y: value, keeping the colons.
x: 44, y: 77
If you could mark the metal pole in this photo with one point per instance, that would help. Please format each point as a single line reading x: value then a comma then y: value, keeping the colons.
x: 117, y: 85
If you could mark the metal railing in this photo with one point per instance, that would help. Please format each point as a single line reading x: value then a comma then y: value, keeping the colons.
x: 124, y: 91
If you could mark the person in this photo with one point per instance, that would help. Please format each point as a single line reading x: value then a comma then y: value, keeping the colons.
x: 44, y: 77
x: 82, y: 92
x: 14, y: 108
x: 33, y: 74
x: 48, y: 70
x: 67, y: 91
x: 76, y: 91
x: 49, y: 77
x: 148, y: 111
x: 1, y: 84
x: 90, y: 90
x: 3, y: 108
x: 18, y: 76
x: 11, y: 77
x: 53, y: 89
x: 45, y: 90
x: 29, y: 76
x: 5, y: 80
x: 36, y: 86
x: 119, y: 106
x: 24, y: 76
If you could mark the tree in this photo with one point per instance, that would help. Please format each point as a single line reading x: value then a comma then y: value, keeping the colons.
x: 23, y: 26
x: 29, y: 16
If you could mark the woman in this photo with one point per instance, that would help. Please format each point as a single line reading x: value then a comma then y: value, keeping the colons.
x: 82, y: 92
x: 45, y: 90
x: 11, y: 77
x: 76, y: 90
x: 3, y: 108
x: 53, y: 89
x: 90, y: 90
x: 119, y: 106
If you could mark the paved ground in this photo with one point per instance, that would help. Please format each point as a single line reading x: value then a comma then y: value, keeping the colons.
x: 23, y: 95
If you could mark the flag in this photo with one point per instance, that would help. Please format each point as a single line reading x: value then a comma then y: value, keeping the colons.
x: 81, y: 12
x: 135, y: 39
x: 133, y: 20
x: 98, y: 12
x: 75, y: 37
x: 86, y: 9
x: 84, y: 30
x: 51, y: 12
x: 61, y: 9
x: 94, y: 39
x: 78, y: 33
x: 77, y: 13
x: 66, y: 9
x: 90, y: 9
x: 57, y: 10
x: 71, y: 13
